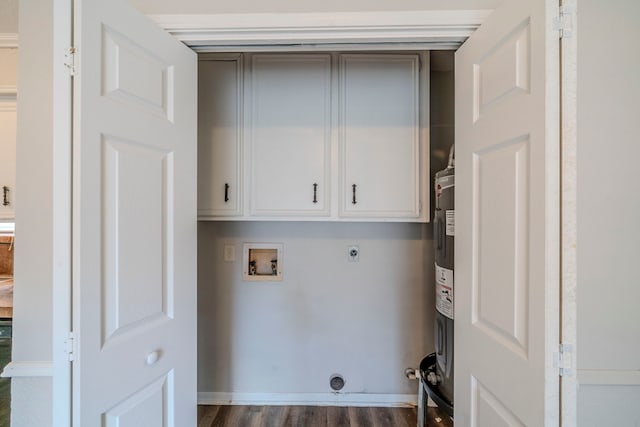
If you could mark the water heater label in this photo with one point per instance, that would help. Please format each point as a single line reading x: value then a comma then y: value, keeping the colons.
x: 444, y: 291
x: 450, y: 222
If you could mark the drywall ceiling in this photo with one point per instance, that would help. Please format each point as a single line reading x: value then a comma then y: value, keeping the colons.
x: 9, y: 8
x: 160, y: 7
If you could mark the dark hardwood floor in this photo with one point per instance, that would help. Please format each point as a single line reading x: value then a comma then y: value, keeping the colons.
x: 314, y: 416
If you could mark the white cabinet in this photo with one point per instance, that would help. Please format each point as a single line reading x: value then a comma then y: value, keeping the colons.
x: 220, y: 136
x: 326, y: 136
x: 7, y: 157
x: 289, y: 135
x: 380, y: 136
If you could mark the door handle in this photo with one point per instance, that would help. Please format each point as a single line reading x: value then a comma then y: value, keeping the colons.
x: 5, y: 196
x: 226, y: 192
x: 315, y: 193
x: 353, y: 200
x: 153, y: 357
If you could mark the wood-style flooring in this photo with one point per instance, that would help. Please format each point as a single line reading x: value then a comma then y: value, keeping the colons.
x: 314, y: 416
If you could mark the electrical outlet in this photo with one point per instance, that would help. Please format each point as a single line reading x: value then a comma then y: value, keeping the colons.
x: 354, y: 253
x: 229, y: 253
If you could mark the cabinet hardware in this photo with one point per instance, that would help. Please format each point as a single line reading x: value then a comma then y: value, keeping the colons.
x: 226, y: 192
x: 354, y: 201
x: 5, y: 196
x: 315, y: 193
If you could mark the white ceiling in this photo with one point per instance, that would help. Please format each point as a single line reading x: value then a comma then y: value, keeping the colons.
x: 9, y: 8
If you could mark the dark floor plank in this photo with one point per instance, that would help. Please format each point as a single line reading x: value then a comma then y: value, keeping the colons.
x: 293, y: 415
x: 404, y: 417
x: 312, y: 416
x: 206, y: 414
x: 222, y: 416
x: 382, y: 417
x: 247, y: 416
x: 359, y: 417
x: 337, y: 416
x: 273, y: 416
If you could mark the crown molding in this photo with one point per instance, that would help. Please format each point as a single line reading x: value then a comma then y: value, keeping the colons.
x: 248, y: 31
x: 8, y: 40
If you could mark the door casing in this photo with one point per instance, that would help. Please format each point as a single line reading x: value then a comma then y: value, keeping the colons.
x: 438, y: 30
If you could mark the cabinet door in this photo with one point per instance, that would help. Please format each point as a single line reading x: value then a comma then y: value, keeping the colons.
x: 220, y: 136
x: 379, y: 136
x: 7, y: 159
x: 290, y: 135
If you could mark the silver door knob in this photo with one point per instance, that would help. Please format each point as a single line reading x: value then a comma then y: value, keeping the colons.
x: 153, y: 357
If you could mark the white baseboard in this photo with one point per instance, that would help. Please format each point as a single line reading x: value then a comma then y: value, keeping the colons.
x: 28, y: 369
x: 313, y: 399
x: 608, y: 377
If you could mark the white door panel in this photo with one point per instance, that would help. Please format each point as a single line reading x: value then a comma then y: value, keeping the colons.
x: 134, y: 221
x: 506, y: 323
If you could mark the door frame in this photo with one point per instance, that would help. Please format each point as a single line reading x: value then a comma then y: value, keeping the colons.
x: 399, y: 30
x: 62, y: 158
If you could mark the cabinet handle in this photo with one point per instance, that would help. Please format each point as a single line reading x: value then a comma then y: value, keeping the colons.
x: 354, y: 201
x: 5, y: 196
x: 226, y: 192
x: 315, y: 193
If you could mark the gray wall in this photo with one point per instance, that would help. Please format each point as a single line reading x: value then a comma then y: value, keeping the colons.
x: 33, y: 268
x: 608, y: 291
x: 442, y: 112
x: 367, y: 320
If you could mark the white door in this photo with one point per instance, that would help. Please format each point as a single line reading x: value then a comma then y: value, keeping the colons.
x: 506, y: 255
x: 134, y: 221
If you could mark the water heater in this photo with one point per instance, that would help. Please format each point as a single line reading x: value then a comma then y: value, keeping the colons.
x: 444, y: 232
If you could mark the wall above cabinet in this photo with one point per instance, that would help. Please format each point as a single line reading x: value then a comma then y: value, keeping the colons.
x: 313, y: 137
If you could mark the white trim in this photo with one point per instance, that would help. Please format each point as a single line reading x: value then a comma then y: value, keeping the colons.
x: 608, y: 377
x: 315, y: 399
x: 9, y: 40
x: 61, y: 214
x: 28, y: 369
x: 568, y: 196
x: 240, y: 31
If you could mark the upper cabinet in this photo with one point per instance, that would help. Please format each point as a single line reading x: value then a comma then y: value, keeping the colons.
x: 289, y: 135
x: 313, y: 137
x: 220, y: 166
x: 380, y: 136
